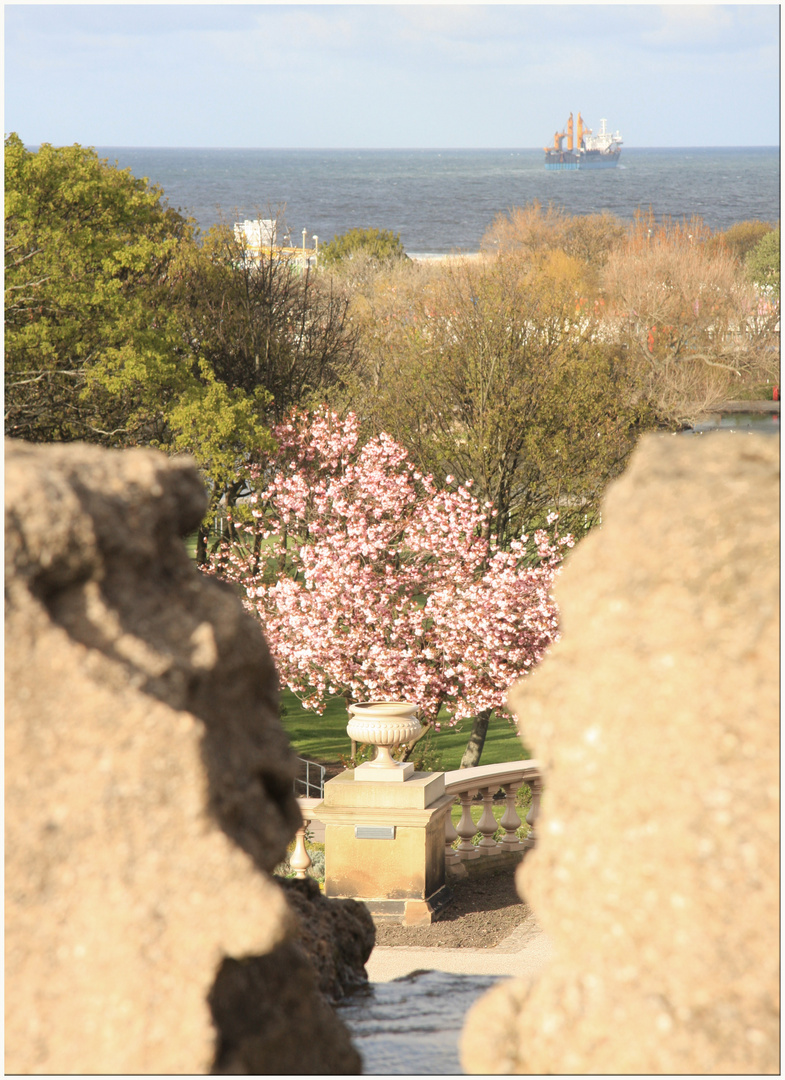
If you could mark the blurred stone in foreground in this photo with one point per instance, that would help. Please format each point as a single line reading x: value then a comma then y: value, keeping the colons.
x: 656, y: 718
x: 148, y: 784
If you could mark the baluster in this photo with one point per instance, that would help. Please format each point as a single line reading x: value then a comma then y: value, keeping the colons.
x: 451, y: 856
x: 466, y: 828
x: 300, y: 860
x: 487, y: 824
x: 534, y: 811
x: 510, y: 821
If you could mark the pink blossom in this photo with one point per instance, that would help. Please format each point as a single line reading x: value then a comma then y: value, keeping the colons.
x: 388, y: 585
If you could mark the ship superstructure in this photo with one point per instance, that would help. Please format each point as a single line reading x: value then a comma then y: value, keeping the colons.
x: 588, y: 151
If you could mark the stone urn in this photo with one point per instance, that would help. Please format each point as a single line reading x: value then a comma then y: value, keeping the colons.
x: 385, y: 724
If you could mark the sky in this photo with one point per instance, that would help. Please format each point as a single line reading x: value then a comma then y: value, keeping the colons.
x: 390, y: 76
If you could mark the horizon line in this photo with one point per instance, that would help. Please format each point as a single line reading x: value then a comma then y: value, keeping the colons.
x: 393, y: 149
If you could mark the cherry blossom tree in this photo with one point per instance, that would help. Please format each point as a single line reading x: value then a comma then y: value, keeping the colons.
x: 372, y: 583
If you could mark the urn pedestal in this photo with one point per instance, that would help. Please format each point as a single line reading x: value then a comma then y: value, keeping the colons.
x: 384, y: 825
x: 386, y: 724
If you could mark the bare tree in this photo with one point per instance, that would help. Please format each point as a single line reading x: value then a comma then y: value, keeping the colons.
x: 265, y: 322
x: 689, y: 318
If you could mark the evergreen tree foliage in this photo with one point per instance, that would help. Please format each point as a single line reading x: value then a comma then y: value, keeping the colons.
x: 763, y: 262
x: 88, y: 251
x: 96, y: 344
x: 382, y: 245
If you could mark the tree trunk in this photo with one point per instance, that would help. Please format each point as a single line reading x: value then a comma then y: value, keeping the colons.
x: 473, y: 751
x: 347, y: 702
x: 201, y: 546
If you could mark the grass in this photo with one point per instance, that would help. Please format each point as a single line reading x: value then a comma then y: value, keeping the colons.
x: 190, y: 544
x: 316, y: 869
x: 324, y: 739
x: 522, y: 804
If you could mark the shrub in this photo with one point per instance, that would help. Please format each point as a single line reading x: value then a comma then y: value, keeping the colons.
x: 380, y: 244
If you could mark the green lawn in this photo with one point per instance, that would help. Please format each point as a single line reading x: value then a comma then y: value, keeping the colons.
x: 190, y: 544
x: 323, y: 738
x: 522, y: 808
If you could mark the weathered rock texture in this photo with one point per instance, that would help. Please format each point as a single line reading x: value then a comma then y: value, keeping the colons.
x: 656, y: 717
x: 275, y: 1008
x: 148, y: 783
x: 336, y: 935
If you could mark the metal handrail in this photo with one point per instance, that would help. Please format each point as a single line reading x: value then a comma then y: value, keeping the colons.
x: 308, y: 785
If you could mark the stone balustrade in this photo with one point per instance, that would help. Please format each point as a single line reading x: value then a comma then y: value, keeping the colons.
x: 464, y: 785
x: 300, y: 860
x: 486, y: 781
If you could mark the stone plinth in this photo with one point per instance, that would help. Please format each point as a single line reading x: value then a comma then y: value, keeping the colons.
x: 384, y: 844
x: 370, y: 771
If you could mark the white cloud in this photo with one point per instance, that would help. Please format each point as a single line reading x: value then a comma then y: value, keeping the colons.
x: 701, y: 27
x: 376, y: 74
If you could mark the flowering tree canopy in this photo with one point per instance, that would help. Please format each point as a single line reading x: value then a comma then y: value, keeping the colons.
x: 372, y: 583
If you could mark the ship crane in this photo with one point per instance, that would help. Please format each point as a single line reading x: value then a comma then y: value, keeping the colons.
x: 557, y: 139
x: 589, y: 151
x: 582, y: 131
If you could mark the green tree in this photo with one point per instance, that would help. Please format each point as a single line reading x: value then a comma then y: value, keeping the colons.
x: 740, y: 238
x: 489, y: 370
x: 96, y: 346
x: 763, y: 262
x: 381, y: 245
x: 88, y: 247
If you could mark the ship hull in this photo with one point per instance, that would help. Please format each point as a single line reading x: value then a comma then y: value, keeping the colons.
x: 568, y: 160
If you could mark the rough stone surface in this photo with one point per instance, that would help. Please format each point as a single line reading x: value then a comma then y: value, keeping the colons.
x: 656, y: 718
x: 148, y: 784
x: 336, y: 935
x: 272, y: 1019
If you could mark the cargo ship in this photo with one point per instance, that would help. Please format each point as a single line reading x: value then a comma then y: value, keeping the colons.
x: 588, y: 151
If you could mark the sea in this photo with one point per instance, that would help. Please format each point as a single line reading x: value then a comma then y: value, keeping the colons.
x: 442, y: 201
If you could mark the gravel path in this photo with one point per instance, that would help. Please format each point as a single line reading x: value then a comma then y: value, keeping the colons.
x: 484, y: 911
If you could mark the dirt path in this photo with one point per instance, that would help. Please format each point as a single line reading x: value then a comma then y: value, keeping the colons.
x: 483, y: 911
